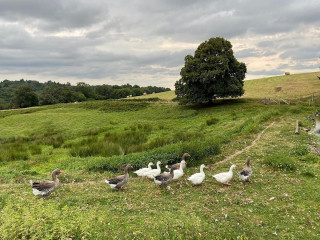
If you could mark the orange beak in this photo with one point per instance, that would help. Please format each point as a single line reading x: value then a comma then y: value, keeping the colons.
x: 60, y: 171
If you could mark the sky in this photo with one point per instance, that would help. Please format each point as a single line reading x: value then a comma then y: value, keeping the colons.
x: 144, y: 42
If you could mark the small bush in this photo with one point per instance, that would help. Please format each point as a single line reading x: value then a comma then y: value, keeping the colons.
x: 281, y: 162
x: 212, y: 121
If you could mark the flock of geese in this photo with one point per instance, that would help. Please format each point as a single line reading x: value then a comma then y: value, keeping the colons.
x: 176, y: 171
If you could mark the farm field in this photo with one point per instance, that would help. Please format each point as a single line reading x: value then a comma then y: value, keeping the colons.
x: 92, y: 141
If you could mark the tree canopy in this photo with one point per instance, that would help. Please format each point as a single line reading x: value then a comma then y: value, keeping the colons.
x: 24, y: 96
x: 25, y: 93
x: 213, y: 72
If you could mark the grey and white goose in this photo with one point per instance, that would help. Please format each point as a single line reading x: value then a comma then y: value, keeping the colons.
x: 177, y: 165
x: 119, y: 181
x: 246, y: 172
x: 45, y: 188
x: 164, y: 178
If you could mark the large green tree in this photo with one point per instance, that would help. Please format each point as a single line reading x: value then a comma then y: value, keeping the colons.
x: 24, y: 97
x: 213, y: 72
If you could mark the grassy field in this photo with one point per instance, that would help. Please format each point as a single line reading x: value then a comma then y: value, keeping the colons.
x: 91, y: 141
x: 293, y: 87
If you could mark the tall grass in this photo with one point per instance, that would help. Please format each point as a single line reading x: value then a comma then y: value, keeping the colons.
x: 171, y: 153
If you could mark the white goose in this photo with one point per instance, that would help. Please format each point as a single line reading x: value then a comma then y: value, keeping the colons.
x: 198, y: 178
x: 225, y: 177
x: 178, y: 173
x: 154, y: 172
x: 141, y: 172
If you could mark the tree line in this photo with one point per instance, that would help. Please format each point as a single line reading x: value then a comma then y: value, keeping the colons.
x: 28, y: 93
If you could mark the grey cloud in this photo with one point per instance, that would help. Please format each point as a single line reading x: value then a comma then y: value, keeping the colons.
x: 54, y: 15
x: 266, y: 44
x: 302, y: 53
x: 254, y: 52
x: 267, y: 72
x: 115, y: 23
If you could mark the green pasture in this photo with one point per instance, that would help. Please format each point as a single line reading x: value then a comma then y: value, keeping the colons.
x: 92, y: 141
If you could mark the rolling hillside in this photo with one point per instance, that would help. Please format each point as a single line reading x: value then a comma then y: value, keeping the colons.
x: 92, y: 141
x: 293, y: 86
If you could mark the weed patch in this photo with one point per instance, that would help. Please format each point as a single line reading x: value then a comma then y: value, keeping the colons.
x: 281, y: 162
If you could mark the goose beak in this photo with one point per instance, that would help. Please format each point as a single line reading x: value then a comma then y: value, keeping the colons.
x: 60, y: 171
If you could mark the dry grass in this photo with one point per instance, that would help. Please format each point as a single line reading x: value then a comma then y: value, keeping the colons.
x: 293, y: 86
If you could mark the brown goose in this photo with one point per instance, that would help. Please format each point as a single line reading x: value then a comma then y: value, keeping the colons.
x: 164, y: 178
x: 119, y: 181
x: 177, y: 165
x: 246, y: 172
x: 45, y: 188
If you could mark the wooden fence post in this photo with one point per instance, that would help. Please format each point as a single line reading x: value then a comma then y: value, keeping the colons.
x: 297, y: 127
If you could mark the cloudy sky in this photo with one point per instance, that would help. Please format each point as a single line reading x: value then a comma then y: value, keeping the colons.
x: 144, y: 42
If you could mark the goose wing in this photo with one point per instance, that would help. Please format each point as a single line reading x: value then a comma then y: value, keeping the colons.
x: 116, y: 180
x: 246, y: 172
x: 174, y: 166
x: 163, y: 177
x: 43, y: 185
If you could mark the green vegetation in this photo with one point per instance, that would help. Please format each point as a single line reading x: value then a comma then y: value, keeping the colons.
x: 21, y: 94
x: 213, y: 72
x: 91, y: 141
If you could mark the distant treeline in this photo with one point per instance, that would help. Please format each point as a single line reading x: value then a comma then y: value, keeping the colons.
x: 27, y: 93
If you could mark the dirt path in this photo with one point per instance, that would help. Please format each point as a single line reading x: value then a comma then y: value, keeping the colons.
x: 254, y: 142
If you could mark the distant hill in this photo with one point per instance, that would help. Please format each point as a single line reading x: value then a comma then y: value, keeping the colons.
x: 292, y: 86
